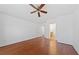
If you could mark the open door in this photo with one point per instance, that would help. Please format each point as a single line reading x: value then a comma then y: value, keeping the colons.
x: 52, y: 39
x: 52, y: 31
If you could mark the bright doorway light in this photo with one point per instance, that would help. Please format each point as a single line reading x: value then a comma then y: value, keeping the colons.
x: 52, y: 31
x: 52, y: 28
x: 43, y: 30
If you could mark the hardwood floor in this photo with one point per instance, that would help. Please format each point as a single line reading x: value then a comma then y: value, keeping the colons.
x: 36, y: 46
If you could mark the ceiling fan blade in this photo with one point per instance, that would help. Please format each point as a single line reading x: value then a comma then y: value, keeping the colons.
x: 33, y: 11
x: 32, y: 6
x: 41, y: 6
x: 38, y: 14
x: 43, y: 11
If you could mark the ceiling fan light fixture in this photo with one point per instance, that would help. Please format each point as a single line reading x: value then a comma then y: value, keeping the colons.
x: 38, y: 9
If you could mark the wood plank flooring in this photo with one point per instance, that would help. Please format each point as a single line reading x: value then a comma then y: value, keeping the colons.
x: 36, y: 46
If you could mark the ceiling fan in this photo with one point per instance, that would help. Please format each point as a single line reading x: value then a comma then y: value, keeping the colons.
x: 38, y: 9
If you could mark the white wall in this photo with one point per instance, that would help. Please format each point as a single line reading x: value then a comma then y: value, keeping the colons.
x: 64, y: 32
x: 76, y: 30
x: 65, y: 29
x: 14, y: 30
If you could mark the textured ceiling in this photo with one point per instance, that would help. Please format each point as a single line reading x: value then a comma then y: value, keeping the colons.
x: 23, y: 11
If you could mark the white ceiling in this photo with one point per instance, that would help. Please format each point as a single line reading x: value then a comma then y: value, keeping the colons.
x: 23, y: 11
